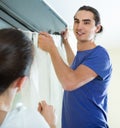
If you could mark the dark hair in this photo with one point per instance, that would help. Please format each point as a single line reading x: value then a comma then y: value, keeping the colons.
x: 16, y: 56
x: 96, y: 15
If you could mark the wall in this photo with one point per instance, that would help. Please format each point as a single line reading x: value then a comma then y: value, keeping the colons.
x: 114, y: 89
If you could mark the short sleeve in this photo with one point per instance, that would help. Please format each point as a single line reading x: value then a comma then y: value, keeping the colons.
x: 99, y: 62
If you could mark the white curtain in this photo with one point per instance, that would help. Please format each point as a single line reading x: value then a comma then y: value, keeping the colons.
x: 43, y: 83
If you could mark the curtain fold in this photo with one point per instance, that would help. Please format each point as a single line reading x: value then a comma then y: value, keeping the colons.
x: 43, y: 83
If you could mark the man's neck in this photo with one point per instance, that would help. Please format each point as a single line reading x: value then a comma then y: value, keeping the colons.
x: 82, y: 46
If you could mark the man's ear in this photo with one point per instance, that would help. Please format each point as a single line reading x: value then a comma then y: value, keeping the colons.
x: 20, y: 82
x: 98, y: 27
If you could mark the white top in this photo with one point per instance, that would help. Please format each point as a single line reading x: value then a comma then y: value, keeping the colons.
x: 22, y: 117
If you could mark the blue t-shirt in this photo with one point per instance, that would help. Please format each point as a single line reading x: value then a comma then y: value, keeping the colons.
x: 86, y: 106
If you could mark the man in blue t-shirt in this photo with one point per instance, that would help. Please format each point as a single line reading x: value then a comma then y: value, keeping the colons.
x: 86, y: 81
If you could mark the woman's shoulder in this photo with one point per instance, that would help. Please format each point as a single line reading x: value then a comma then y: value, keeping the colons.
x: 22, y: 116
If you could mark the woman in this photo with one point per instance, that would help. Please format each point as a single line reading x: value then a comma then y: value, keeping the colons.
x: 16, y: 56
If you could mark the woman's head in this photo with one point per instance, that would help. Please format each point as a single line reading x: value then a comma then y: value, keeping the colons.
x: 16, y: 56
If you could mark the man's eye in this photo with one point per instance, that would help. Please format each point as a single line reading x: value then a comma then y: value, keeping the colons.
x: 76, y: 21
x: 86, y: 22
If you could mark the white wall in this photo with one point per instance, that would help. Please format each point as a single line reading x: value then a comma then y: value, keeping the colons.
x: 114, y: 90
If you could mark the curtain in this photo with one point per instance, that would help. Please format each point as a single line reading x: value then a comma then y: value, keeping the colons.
x: 42, y: 83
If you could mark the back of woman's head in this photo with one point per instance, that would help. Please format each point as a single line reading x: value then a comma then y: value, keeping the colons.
x: 16, y: 56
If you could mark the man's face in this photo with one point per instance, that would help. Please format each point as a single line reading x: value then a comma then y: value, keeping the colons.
x: 84, y: 26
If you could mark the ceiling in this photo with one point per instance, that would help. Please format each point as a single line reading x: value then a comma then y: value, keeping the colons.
x: 35, y: 15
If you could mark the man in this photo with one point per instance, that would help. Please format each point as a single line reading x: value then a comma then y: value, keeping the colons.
x: 86, y: 81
